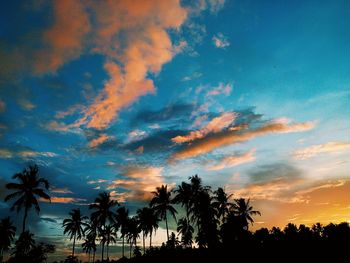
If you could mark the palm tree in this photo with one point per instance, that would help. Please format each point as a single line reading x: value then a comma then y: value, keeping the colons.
x: 74, y: 226
x: 186, y: 230
x: 7, y: 234
x: 244, y: 211
x: 27, y: 191
x: 148, y: 221
x: 89, y: 245
x: 104, y: 212
x: 162, y: 203
x: 24, y: 244
x: 132, y: 232
x: 183, y: 196
x: 221, y: 202
x: 109, y: 234
x: 122, y: 218
x: 90, y: 232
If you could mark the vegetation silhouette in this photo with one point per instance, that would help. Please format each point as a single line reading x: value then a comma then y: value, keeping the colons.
x: 213, y: 227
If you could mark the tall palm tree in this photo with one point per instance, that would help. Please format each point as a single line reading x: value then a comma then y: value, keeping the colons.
x: 183, y: 196
x: 24, y: 244
x: 148, y: 221
x: 109, y: 236
x: 74, y: 226
x: 132, y: 232
x: 104, y: 214
x: 186, y: 230
x: 122, y: 218
x: 89, y: 245
x: 244, y: 211
x: 7, y: 234
x: 30, y: 187
x: 90, y: 232
x: 221, y: 202
x: 162, y: 203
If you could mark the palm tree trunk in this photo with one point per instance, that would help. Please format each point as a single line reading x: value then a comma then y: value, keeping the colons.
x: 150, y: 239
x: 143, y: 237
x: 166, y: 224
x: 93, y: 257
x: 107, y: 252
x: 103, y: 250
x: 130, y: 248
x: 89, y: 255
x: 24, y: 219
x: 123, y: 246
x: 73, y: 245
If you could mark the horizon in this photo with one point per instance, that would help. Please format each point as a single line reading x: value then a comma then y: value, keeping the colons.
x: 125, y: 96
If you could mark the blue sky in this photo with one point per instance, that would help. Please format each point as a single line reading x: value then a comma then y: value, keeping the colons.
x: 250, y: 95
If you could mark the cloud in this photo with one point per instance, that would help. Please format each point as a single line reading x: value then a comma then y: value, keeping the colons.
x: 139, y: 182
x: 2, y: 106
x: 220, y: 89
x: 99, y: 140
x: 136, y: 135
x: 330, y: 147
x: 234, y: 160
x: 220, y: 41
x: 214, y: 126
x: 64, y: 41
x: 64, y: 200
x: 61, y: 191
x: 227, y: 137
x: 25, y: 104
x: 24, y: 153
x: 194, y: 75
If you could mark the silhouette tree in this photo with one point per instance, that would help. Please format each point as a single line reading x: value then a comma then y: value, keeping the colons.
x: 144, y: 216
x: 104, y: 213
x: 244, y: 211
x: 109, y: 234
x: 162, y: 203
x: 27, y: 191
x: 7, y: 234
x: 133, y: 231
x: 89, y: 245
x: 122, y: 219
x: 183, y: 196
x: 90, y: 232
x: 24, y: 245
x: 221, y: 203
x: 186, y: 230
x: 74, y: 226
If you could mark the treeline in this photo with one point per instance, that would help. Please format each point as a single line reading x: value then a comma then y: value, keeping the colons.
x: 211, y: 224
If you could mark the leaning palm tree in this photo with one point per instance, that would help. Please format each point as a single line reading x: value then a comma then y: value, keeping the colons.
x: 74, y: 226
x: 104, y: 214
x: 30, y: 187
x: 122, y: 219
x: 7, y: 234
x: 162, y: 203
x: 221, y: 203
x: 186, y: 230
x: 244, y: 211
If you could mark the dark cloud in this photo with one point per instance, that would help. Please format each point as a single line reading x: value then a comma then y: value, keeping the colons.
x: 172, y: 111
x: 48, y: 219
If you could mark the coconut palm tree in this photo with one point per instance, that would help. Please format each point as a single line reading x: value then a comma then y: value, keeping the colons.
x: 183, y: 196
x: 133, y: 232
x: 74, y: 226
x: 109, y: 234
x: 122, y: 218
x: 244, y: 211
x: 186, y: 230
x: 148, y: 221
x: 7, y: 234
x: 221, y: 202
x: 104, y: 214
x: 26, y: 191
x: 24, y: 244
x: 162, y: 203
x: 89, y: 245
x: 152, y: 224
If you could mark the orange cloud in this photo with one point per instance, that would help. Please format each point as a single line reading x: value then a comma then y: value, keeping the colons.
x: 221, y: 89
x: 61, y: 191
x: 99, y: 140
x: 330, y: 147
x: 64, y: 200
x: 139, y: 182
x: 206, y: 145
x: 6, y: 153
x: 215, y: 125
x: 234, y: 160
x: 65, y: 39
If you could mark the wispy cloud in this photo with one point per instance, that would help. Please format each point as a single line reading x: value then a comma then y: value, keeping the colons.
x: 220, y: 41
x: 99, y: 140
x: 228, y: 137
x: 233, y: 160
x: 24, y: 154
x: 330, y: 147
x: 222, y: 88
x: 215, y: 125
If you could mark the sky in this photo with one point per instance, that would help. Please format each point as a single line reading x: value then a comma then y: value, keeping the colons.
x: 125, y: 96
